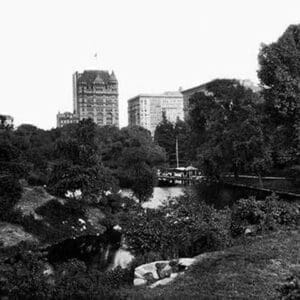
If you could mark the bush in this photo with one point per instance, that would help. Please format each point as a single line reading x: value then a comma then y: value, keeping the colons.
x: 74, y: 279
x: 183, y: 228
x: 266, y: 214
x: 23, y: 276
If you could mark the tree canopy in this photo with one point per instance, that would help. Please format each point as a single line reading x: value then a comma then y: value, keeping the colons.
x: 279, y: 74
x: 227, y: 129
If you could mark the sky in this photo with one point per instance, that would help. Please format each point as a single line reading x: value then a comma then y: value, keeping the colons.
x: 153, y: 46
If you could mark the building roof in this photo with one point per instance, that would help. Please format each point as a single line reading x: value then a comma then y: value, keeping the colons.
x: 195, y: 88
x: 175, y: 94
x: 246, y: 83
x: 98, y: 76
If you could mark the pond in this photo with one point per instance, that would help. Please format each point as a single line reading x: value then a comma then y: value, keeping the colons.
x: 218, y: 195
x: 160, y: 195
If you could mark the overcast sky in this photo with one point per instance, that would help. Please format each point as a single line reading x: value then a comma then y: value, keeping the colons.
x: 153, y: 46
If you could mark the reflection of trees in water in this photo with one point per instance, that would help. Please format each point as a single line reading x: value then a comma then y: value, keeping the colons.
x: 95, y: 251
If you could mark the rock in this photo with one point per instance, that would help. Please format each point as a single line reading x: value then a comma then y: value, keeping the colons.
x: 94, y: 217
x: 164, y: 281
x: 122, y: 259
x: 32, y: 198
x: 139, y: 281
x: 148, y: 268
x: 11, y: 235
x: 48, y: 270
x: 186, y: 261
x: 163, y: 270
x: 250, y: 230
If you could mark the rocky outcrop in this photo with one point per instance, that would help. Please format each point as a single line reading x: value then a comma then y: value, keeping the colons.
x: 161, y: 272
x: 11, y: 235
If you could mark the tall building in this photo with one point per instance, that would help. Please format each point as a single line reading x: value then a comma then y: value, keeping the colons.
x: 95, y: 96
x: 146, y: 110
x: 66, y: 118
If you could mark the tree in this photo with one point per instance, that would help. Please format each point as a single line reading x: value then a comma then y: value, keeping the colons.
x: 165, y: 137
x: 183, y: 137
x: 79, y: 165
x: 227, y: 129
x: 138, y: 160
x: 279, y: 74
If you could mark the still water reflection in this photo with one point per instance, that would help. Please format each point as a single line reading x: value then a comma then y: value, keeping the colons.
x: 160, y: 195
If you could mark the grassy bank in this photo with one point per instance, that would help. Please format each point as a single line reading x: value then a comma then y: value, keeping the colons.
x: 253, y: 270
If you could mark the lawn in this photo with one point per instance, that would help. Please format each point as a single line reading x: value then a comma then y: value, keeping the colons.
x: 253, y: 270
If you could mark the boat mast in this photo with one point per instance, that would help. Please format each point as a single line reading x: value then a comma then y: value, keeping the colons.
x: 177, y: 156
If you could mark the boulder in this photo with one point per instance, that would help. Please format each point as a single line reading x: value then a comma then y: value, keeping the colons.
x: 163, y: 270
x: 164, y: 281
x: 140, y: 271
x: 250, y: 230
x: 11, y: 235
x: 139, y: 281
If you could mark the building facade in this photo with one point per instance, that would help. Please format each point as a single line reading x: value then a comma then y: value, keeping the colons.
x: 146, y: 110
x: 95, y: 96
x: 66, y: 118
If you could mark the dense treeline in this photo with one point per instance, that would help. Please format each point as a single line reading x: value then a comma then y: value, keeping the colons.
x: 81, y: 157
x: 232, y: 128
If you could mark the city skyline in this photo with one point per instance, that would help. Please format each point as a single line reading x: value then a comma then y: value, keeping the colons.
x: 152, y: 47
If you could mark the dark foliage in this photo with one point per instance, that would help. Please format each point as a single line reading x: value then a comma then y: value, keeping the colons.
x: 10, y: 192
x: 265, y: 214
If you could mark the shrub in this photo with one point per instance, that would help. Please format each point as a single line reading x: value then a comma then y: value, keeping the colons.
x: 75, y: 280
x: 266, y: 214
x: 22, y: 276
x: 184, y: 227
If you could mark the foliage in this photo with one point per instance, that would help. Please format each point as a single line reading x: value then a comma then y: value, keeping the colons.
x: 132, y: 157
x: 24, y: 276
x: 55, y: 221
x: 10, y: 193
x: 166, y: 134
x: 75, y: 280
x: 279, y: 75
x: 79, y: 165
x: 228, y: 130
x: 184, y: 227
x: 266, y: 214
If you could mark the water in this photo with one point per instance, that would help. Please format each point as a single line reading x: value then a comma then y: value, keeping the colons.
x: 159, y: 196
x: 217, y: 195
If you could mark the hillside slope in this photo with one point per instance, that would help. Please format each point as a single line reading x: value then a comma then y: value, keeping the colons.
x: 253, y: 270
